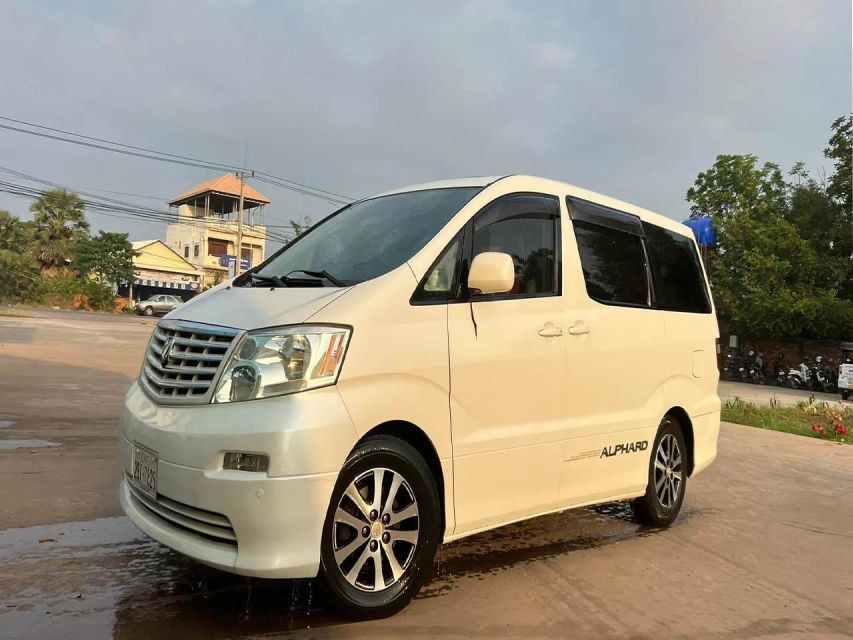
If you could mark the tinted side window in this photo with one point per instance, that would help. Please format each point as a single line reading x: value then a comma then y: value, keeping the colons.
x: 676, y: 271
x: 614, y: 264
x: 526, y: 227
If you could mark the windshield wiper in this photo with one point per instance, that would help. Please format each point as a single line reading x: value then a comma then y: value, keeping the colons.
x: 318, y: 274
x: 275, y: 281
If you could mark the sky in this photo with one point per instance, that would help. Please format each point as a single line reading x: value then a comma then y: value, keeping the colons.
x: 631, y: 99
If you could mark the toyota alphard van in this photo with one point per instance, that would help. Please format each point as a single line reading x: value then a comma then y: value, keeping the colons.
x: 421, y: 366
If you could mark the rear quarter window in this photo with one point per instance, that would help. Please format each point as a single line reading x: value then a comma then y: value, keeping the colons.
x: 676, y: 271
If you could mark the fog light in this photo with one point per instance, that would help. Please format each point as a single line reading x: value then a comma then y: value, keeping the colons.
x: 245, y: 462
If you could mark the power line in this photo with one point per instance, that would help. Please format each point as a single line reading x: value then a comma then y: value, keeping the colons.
x: 114, y: 207
x: 112, y: 211
x: 163, y: 156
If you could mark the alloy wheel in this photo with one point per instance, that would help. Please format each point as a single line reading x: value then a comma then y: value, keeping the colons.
x: 375, y: 529
x: 668, y: 471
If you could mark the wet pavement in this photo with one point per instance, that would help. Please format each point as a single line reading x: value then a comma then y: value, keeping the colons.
x: 763, y: 547
x: 104, y: 578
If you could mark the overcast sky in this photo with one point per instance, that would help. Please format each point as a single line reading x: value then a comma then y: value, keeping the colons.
x: 631, y: 99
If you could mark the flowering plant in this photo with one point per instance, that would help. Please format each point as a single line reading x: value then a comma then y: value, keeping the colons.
x: 834, y: 428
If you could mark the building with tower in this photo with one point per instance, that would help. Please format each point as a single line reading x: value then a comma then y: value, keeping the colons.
x: 206, y: 234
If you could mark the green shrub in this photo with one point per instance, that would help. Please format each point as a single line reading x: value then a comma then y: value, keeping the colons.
x: 71, y: 291
x: 20, y: 277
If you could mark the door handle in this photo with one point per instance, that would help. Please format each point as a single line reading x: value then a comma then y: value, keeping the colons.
x: 550, y: 331
x: 578, y: 329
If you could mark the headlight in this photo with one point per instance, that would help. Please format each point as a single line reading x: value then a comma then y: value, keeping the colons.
x: 275, y: 362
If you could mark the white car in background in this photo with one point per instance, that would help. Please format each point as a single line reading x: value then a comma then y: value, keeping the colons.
x: 418, y: 367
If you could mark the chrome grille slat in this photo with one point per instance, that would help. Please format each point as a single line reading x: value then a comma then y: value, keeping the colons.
x: 204, y: 344
x: 204, y: 523
x: 174, y: 384
x: 176, y: 369
x: 196, y: 352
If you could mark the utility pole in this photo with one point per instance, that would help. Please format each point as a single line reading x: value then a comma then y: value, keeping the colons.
x: 242, y: 175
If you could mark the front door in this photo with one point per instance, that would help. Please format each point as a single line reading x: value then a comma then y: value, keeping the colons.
x: 507, y: 369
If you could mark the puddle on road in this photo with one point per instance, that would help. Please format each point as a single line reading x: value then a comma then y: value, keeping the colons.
x: 8, y: 444
x: 104, y: 578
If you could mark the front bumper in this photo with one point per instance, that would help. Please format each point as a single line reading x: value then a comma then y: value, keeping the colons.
x: 277, y: 521
x: 276, y: 517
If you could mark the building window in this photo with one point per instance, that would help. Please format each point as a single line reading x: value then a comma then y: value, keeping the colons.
x: 187, y: 251
x: 216, y: 247
x: 195, y: 250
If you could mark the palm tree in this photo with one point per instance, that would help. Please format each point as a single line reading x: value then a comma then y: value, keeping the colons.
x: 60, y: 222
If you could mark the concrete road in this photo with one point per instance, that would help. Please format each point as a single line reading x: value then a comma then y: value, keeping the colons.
x: 62, y: 379
x: 762, y: 548
x: 761, y: 394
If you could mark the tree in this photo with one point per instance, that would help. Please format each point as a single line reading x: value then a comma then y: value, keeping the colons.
x: 107, y: 258
x: 735, y: 186
x: 300, y: 227
x: 20, y: 276
x: 59, y: 223
x: 840, y: 190
x: 817, y: 220
x: 769, y: 270
x: 840, y: 150
x: 14, y: 233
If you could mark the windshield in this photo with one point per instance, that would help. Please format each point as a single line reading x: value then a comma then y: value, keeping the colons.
x: 369, y: 238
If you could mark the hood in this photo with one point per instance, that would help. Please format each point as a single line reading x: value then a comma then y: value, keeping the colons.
x: 256, y: 307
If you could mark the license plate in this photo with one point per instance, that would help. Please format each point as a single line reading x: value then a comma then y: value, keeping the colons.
x: 145, y: 470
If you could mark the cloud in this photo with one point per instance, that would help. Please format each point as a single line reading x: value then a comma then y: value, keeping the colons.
x: 632, y: 99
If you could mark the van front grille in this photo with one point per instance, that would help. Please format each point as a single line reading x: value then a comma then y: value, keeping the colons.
x: 183, y: 359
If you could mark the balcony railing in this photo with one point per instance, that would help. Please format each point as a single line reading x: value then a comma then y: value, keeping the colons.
x: 224, y: 224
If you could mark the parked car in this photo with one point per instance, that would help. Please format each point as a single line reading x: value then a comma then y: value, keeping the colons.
x: 158, y: 305
x: 340, y: 412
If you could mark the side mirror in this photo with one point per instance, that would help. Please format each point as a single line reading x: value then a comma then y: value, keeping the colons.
x: 491, y: 272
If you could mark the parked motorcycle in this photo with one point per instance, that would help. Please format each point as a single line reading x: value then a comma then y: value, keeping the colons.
x: 799, y: 377
x: 780, y: 372
x: 735, y: 369
x: 823, y: 376
x: 756, y: 368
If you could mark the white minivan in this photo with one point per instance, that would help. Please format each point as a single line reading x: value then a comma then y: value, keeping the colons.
x: 418, y: 367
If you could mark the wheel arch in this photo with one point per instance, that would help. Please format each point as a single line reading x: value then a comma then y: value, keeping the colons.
x: 686, y: 424
x: 414, y: 436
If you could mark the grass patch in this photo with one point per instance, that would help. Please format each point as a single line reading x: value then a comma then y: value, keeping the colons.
x: 12, y: 314
x: 824, y: 420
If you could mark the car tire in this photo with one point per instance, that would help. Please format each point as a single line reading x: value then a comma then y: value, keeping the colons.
x: 667, y: 478
x: 358, y: 536
x: 845, y: 395
x: 149, y: 311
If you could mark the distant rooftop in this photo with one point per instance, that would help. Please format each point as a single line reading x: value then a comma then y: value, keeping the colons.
x: 225, y: 185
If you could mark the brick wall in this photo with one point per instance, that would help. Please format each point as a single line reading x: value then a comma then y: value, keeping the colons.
x: 795, y: 350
